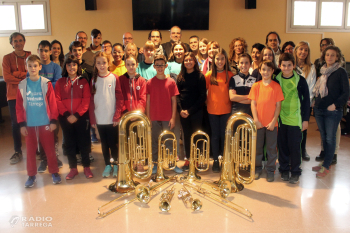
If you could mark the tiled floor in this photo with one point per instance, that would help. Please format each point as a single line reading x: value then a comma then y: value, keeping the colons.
x: 312, y: 205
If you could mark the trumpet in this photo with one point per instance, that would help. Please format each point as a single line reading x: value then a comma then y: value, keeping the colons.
x: 143, y: 193
x: 239, y: 152
x: 186, y: 197
x: 165, y: 200
x: 166, y: 158
x: 217, y: 198
x: 199, y: 159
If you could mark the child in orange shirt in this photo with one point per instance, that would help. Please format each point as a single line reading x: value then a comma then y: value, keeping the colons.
x: 266, y: 97
x: 219, y: 104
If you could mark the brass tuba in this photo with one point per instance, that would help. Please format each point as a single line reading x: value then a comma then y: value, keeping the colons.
x: 239, y: 152
x: 135, y: 149
x: 166, y: 158
x: 199, y: 159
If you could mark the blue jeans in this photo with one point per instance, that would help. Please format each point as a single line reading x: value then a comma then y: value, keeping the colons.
x: 327, y: 122
x: 218, y: 126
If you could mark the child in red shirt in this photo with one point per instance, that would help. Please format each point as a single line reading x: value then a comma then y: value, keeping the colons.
x: 161, y: 105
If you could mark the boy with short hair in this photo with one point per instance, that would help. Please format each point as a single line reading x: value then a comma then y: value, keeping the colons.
x: 52, y: 72
x: 161, y: 94
x: 37, y: 115
x: 293, y: 119
x: 266, y: 97
x: 146, y: 68
x: 96, y: 39
x: 240, y: 86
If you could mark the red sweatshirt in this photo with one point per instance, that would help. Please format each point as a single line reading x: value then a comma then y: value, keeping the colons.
x: 50, y: 101
x: 14, y: 71
x: 134, y: 92
x: 73, y: 97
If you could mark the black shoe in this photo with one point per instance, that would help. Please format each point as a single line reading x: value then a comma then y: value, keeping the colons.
x: 305, y: 156
x: 43, y: 166
x: 285, y: 176
x: 257, y: 175
x: 334, y: 161
x: 320, y: 158
x: 270, y: 177
x: 294, y: 179
x: 216, y: 166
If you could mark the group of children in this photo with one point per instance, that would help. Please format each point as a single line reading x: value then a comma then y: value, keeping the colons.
x: 81, y: 99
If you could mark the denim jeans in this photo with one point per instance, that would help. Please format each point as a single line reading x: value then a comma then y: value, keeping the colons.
x: 327, y: 122
x: 218, y: 126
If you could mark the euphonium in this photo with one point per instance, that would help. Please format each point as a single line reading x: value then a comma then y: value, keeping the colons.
x: 165, y: 200
x: 239, y: 152
x: 186, y: 197
x: 166, y: 158
x: 137, y: 149
x: 199, y: 159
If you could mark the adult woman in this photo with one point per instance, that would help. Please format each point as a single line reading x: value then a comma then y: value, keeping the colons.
x: 256, y: 53
x: 57, y: 55
x: 192, y: 88
x: 307, y: 70
x: 318, y: 64
x: 323, y: 45
x: 202, y: 51
x: 237, y: 46
x: 211, y: 48
x: 288, y: 47
x: 331, y: 92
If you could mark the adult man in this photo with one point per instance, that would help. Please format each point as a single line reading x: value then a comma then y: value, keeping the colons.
x: 194, y: 42
x: 88, y: 56
x: 156, y: 37
x: 273, y: 40
x: 127, y: 38
x: 14, y: 71
x: 175, y: 36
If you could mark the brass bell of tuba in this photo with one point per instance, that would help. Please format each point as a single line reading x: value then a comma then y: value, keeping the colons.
x: 239, y: 152
x: 166, y: 157
x: 135, y: 149
x: 199, y: 158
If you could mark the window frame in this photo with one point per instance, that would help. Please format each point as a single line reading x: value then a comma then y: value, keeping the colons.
x: 32, y: 32
x: 290, y: 28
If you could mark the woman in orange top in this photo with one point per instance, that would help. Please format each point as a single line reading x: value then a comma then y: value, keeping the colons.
x: 219, y: 104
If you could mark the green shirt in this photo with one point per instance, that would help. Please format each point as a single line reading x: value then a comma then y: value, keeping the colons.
x: 290, y: 107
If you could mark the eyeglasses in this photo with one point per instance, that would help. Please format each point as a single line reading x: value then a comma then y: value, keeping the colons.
x: 159, y: 66
x: 127, y: 38
x: 289, y: 49
x: 325, y: 45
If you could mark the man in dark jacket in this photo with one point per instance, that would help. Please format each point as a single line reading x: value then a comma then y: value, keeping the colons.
x: 175, y: 36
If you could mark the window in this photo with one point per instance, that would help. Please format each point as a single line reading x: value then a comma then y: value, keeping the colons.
x: 32, y: 18
x: 318, y: 15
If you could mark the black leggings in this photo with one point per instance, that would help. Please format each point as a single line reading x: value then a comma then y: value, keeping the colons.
x: 77, y: 135
x: 109, y: 140
x: 190, y: 125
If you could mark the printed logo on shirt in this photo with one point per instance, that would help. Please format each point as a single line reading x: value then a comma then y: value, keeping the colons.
x: 35, y: 99
x: 138, y: 88
x: 28, y: 93
x: 47, y: 128
x: 250, y: 81
x: 109, y: 85
x: 81, y: 86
